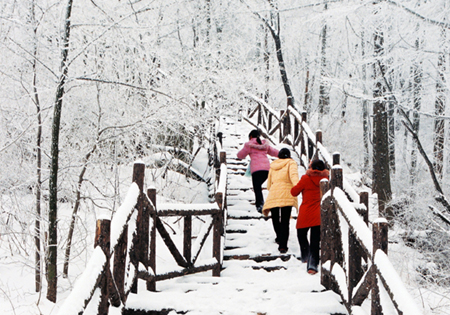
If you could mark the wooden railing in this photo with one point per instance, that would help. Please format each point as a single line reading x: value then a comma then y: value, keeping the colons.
x: 363, y: 269
x: 130, y: 239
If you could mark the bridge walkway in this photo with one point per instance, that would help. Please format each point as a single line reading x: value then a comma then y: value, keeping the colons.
x: 256, y: 279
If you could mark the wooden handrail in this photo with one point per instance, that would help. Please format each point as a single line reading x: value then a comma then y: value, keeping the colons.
x: 140, y: 252
x: 347, y: 276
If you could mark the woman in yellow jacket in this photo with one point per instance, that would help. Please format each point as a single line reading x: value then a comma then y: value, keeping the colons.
x: 283, y: 175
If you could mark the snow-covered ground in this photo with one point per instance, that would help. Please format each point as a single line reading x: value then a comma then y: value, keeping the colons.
x: 243, y: 287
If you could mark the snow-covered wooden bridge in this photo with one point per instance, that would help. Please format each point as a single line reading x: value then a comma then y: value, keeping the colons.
x: 242, y: 272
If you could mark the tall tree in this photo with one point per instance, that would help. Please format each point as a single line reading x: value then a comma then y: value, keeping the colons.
x: 324, y: 97
x: 38, y: 189
x: 439, y: 109
x: 365, y: 107
x: 52, y: 270
x: 273, y: 25
x: 381, y: 171
x: 417, y: 74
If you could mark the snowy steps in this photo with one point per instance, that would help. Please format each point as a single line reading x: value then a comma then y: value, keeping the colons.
x: 256, y: 279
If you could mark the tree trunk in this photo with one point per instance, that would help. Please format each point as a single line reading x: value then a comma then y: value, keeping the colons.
x: 440, y: 104
x: 391, y: 130
x: 283, y: 73
x: 266, y: 63
x: 52, y: 275
x: 75, y: 211
x: 381, y: 172
x: 365, y: 107
x: 324, y: 97
x: 417, y: 101
x: 208, y: 21
x: 307, y: 103
x: 37, y: 236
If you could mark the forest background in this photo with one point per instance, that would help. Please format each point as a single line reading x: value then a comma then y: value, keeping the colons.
x: 87, y: 87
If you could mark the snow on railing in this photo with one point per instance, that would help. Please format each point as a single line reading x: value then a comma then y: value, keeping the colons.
x: 85, y: 285
x: 129, y: 239
x: 305, y: 136
x: 353, y: 282
x: 346, y: 275
x: 392, y: 280
x: 123, y: 214
x: 355, y: 221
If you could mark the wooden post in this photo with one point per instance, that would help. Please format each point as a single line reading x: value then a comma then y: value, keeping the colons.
x: 140, y: 239
x: 325, y: 235
x: 302, y: 143
x: 287, y: 125
x: 364, y: 199
x: 380, y: 241
x: 219, y: 200
x: 223, y: 157
x: 281, y: 126
x: 138, y: 175
x: 269, y: 127
x: 217, y: 235
x: 187, y: 241
x: 259, y: 114
x: 220, y: 136
x: 151, y: 285
x: 102, y: 239
x: 318, y: 137
x: 223, y: 198
x: 336, y: 159
x: 318, y: 140
x: 356, y: 253
x: 324, y: 187
x: 336, y: 178
x: 335, y: 231
x: 380, y: 235
x: 120, y: 257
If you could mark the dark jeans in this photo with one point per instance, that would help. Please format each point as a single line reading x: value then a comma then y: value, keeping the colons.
x: 258, y: 178
x: 310, y: 250
x: 281, y: 225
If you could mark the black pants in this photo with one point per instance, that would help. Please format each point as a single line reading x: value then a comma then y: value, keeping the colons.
x: 258, y: 178
x: 310, y: 250
x: 280, y: 220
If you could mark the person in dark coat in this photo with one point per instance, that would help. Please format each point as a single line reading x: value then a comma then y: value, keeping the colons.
x: 258, y: 150
x: 309, y: 213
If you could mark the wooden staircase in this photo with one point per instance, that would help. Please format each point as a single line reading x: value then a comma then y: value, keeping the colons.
x: 256, y: 278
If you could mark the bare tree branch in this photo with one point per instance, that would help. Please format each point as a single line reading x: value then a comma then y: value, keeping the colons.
x: 134, y: 87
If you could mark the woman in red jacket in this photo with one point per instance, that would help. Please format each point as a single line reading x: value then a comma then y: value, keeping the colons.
x: 309, y: 213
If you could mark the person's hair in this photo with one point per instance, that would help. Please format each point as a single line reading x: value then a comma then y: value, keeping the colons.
x: 318, y: 165
x: 284, y: 153
x: 255, y: 134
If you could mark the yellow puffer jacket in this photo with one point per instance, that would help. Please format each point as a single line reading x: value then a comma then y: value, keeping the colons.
x: 283, y: 175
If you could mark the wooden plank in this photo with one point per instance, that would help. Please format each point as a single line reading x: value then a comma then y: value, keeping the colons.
x: 169, y: 243
x: 102, y: 239
x: 364, y: 287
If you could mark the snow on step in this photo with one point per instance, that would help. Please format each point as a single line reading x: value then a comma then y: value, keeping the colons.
x: 243, y: 290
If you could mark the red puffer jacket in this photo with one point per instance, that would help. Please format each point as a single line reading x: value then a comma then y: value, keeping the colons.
x: 309, y: 187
